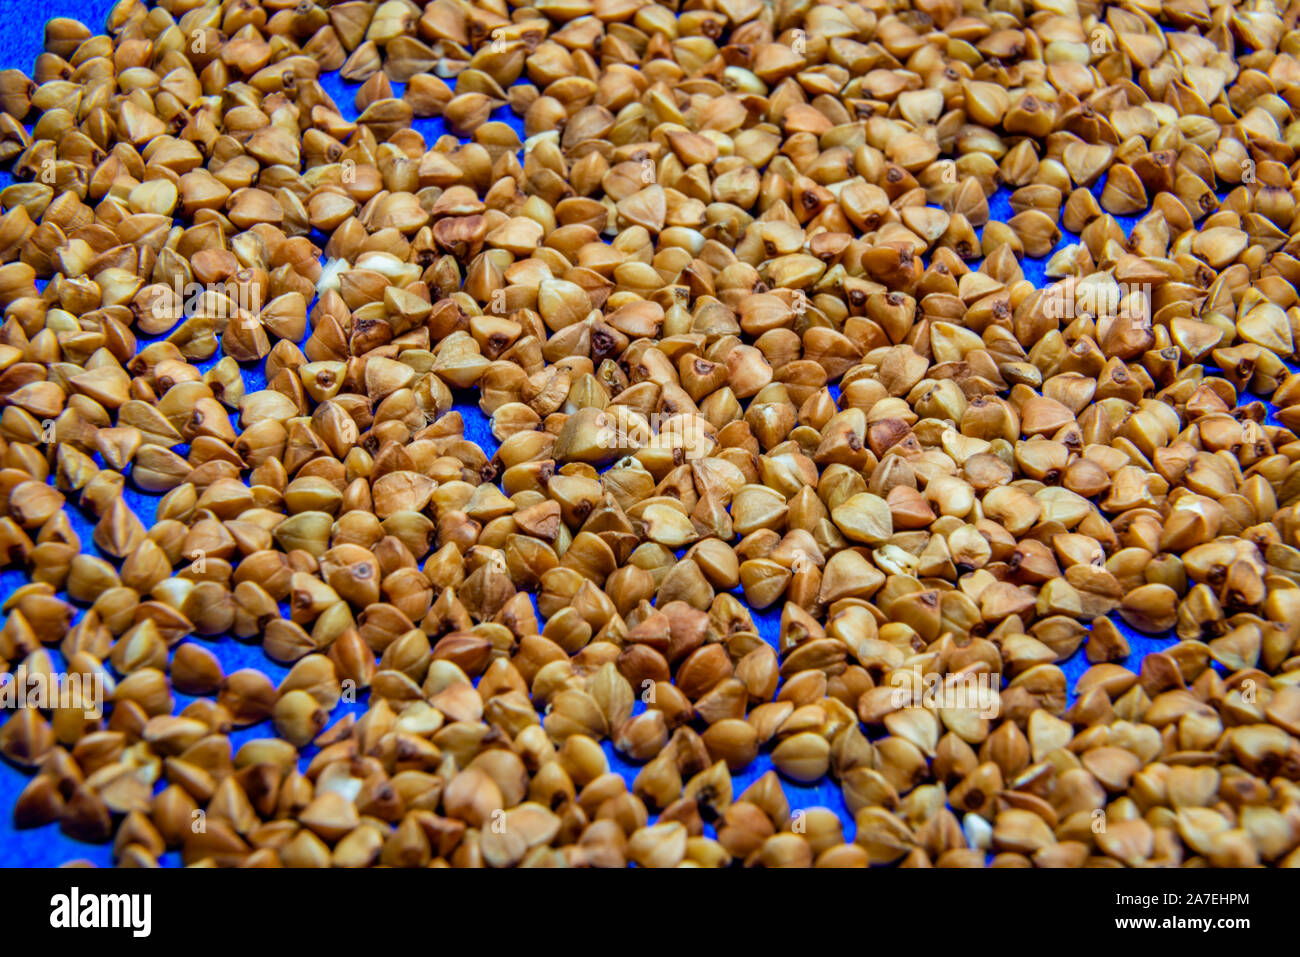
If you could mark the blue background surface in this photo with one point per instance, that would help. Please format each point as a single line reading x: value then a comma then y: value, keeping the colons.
x: 21, y: 41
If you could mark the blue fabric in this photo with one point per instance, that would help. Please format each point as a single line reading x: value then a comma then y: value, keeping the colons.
x: 21, y: 41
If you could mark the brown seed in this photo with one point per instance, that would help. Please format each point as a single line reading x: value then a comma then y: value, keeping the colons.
x: 40, y: 803
x: 248, y: 695
x: 733, y: 741
x: 298, y: 717
x: 330, y: 816
x: 195, y: 670
x: 473, y: 797
x: 662, y: 845
x: 86, y: 817
x: 803, y: 757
